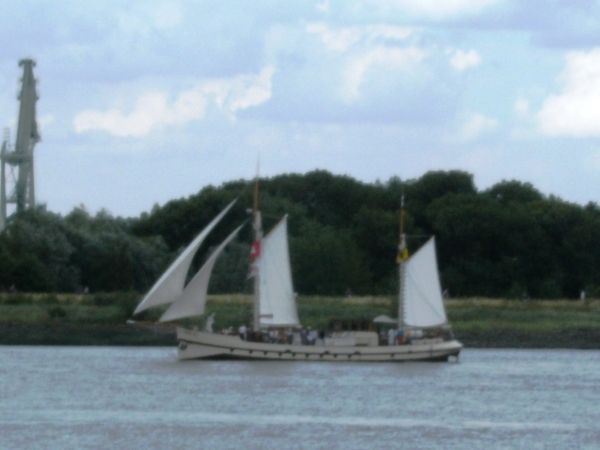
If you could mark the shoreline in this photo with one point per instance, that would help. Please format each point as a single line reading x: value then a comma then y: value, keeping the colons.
x: 144, y: 335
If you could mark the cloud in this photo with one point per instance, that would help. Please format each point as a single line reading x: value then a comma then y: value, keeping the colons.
x: 344, y: 38
x: 435, y: 9
x: 476, y: 125
x: 335, y: 40
x: 556, y: 24
x: 367, y: 48
x: 375, y: 72
x: 323, y: 6
x: 461, y: 60
x: 521, y: 107
x: 402, y: 59
x: 574, y: 112
x: 154, y: 111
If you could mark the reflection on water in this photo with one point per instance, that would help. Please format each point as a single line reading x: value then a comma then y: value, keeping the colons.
x: 103, y: 397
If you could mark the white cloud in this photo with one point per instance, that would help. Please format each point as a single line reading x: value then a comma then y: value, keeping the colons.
x: 343, y: 39
x: 375, y: 32
x: 153, y: 110
x: 576, y: 111
x: 436, y: 9
x: 476, y: 125
x: 522, y: 107
x: 323, y: 6
x: 335, y: 40
x: 461, y: 60
x: 250, y: 90
x: 399, y: 58
x: 365, y: 48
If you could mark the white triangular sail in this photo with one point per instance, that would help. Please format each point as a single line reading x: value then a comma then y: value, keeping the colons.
x: 170, y: 285
x: 193, y: 299
x: 277, y: 303
x: 421, y: 294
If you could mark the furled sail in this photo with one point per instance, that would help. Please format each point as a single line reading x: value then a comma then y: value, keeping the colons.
x: 170, y: 285
x: 277, y: 303
x: 421, y: 293
x: 193, y: 299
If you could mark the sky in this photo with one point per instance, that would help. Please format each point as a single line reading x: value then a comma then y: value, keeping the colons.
x: 145, y: 101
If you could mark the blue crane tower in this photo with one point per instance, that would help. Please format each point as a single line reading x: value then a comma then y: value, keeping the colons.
x: 18, y: 185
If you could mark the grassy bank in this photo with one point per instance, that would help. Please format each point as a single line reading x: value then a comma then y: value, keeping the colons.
x: 100, y: 319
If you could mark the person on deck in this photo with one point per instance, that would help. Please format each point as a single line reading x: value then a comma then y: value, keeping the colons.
x: 243, y: 330
x: 391, y: 336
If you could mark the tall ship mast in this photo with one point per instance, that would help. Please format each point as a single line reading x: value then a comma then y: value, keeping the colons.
x: 256, y: 253
x: 401, y: 259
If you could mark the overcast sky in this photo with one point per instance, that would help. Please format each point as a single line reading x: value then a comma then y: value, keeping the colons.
x: 144, y: 101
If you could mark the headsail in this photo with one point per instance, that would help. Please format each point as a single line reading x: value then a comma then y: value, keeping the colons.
x: 193, y: 299
x: 170, y: 285
x: 277, y: 299
x: 421, y: 293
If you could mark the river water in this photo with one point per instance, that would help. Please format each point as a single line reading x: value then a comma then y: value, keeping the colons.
x: 124, y: 398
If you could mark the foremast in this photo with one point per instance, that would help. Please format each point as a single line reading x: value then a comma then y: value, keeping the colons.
x: 401, y: 260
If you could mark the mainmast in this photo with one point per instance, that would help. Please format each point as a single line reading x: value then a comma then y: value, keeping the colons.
x: 258, y: 235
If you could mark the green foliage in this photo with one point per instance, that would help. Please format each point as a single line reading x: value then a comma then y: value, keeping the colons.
x: 230, y: 273
x: 57, y: 312
x: 327, y: 262
x: 43, y: 252
x: 506, y: 192
x: 17, y: 299
x: 375, y: 233
x: 507, y: 241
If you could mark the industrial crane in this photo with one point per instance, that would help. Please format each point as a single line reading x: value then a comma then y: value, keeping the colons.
x: 20, y: 159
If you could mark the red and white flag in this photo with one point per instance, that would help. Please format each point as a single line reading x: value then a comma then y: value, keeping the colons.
x: 254, y: 255
x: 255, y: 250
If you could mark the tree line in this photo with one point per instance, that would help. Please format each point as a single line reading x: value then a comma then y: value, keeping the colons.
x: 507, y: 241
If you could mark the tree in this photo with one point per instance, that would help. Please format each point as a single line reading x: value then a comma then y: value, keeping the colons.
x: 434, y: 185
x: 376, y: 234
x: 487, y: 249
x: 326, y: 261
x: 506, y: 192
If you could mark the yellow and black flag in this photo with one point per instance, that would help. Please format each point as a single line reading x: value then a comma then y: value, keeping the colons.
x: 402, y: 251
x: 402, y: 255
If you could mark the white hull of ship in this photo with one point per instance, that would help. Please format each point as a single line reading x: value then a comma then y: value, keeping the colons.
x: 201, y: 345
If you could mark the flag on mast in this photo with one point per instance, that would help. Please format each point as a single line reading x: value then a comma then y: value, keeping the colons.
x: 402, y: 249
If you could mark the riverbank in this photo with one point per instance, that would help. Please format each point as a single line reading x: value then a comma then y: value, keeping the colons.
x: 132, y: 335
x: 477, y: 323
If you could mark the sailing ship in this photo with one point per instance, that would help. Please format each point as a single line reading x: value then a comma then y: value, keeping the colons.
x: 421, y: 308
